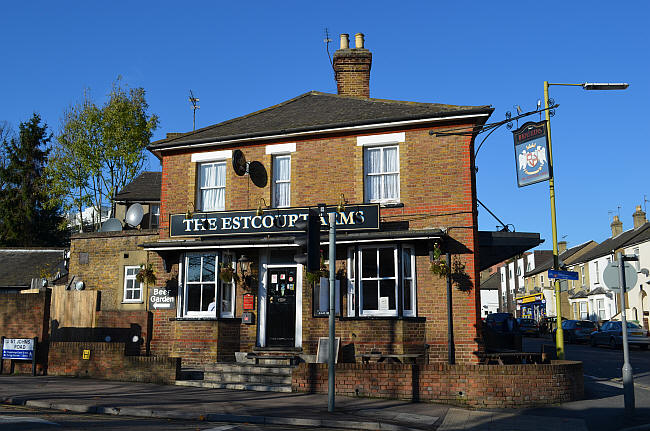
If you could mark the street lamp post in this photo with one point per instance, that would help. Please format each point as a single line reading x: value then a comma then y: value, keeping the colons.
x: 559, y: 334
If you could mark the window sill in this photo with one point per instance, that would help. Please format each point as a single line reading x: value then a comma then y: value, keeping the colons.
x: 132, y: 302
x: 405, y: 318
x: 391, y: 204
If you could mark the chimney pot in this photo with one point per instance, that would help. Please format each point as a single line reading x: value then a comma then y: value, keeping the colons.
x: 358, y: 40
x: 638, y: 217
x: 345, y: 41
x: 352, y: 68
x: 617, y: 226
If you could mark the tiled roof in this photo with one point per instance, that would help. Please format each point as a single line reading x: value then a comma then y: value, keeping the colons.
x: 316, y: 111
x: 492, y: 282
x: 599, y: 291
x: 564, y: 256
x: 19, y: 266
x: 627, y: 238
x: 579, y: 294
x: 145, y: 188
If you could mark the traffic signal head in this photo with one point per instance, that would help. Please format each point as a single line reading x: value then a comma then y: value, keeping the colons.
x: 308, y: 241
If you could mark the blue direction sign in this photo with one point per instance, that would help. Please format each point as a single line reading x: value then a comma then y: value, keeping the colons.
x: 562, y: 275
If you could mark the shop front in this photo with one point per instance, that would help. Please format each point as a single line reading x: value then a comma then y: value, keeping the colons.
x: 532, y: 306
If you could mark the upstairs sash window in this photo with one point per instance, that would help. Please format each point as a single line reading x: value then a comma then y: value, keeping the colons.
x: 382, y: 174
x: 281, y: 181
x: 212, y: 186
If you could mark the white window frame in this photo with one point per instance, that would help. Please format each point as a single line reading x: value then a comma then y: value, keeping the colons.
x: 275, y: 181
x: 135, y: 287
x: 637, y: 263
x: 184, y: 310
x: 582, y: 274
x: 153, y: 214
x: 600, y: 312
x: 378, y: 279
x: 597, y: 274
x: 382, y: 173
x: 199, y: 195
x: 413, y: 289
x: 227, y: 256
x: 584, y: 314
x: 352, y: 273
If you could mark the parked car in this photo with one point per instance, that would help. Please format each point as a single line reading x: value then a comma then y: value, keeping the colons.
x: 611, y: 334
x: 528, y: 326
x: 501, y: 333
x: 577, y: 330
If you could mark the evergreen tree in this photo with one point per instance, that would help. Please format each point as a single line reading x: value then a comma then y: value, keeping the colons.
x: 27, y: 217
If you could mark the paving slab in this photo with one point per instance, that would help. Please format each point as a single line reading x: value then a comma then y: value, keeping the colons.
x: 479, y: 420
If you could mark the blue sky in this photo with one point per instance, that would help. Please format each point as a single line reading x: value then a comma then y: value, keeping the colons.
x: 239, y: 57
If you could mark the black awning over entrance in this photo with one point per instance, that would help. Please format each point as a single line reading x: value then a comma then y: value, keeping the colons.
x: 169, y: 250
x: 495, y: 247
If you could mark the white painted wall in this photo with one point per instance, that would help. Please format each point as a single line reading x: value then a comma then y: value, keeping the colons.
x: 489, y: 302
x: 639, y: 296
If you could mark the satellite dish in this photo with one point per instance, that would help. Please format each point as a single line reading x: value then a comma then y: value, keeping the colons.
x: 239, y: 162
x: 111, y: 225
x: 258, y: 174
x: 134, y: 215
x: 79, y: 285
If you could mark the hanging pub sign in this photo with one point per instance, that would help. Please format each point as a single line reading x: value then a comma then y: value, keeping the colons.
x: 531, y: 149
x: 273, y: 221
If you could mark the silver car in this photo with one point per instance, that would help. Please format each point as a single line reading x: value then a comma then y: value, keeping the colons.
x: 610, y: 334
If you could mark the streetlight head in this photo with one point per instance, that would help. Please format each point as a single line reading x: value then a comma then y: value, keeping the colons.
x: 605, y: 85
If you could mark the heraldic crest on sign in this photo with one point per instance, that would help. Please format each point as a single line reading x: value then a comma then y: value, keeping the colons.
x: 532, y: 159
x: 531, y: 147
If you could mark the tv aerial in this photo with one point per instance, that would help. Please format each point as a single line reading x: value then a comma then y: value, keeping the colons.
x: 111, y: 225
x: 193, y: 101
x: 134, y: 215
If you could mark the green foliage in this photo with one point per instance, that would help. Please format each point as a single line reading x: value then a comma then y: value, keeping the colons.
x: 227, y: 273
x: 101, y: 149
x: 146, y: 274
x: 27, y: 215
x: 314, y: 277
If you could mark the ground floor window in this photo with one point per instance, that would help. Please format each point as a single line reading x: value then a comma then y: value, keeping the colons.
x: 227, y: 291
x: 600, y: 303
x: 203, y: 291
x: 132, y: 288
x: 382, y: 281
x: 584, y: 314
x: 200, y: 285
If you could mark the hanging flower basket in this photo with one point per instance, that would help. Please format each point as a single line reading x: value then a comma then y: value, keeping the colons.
x: 227, y: 273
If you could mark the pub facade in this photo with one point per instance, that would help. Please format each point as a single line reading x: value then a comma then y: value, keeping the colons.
x: 231, y: 194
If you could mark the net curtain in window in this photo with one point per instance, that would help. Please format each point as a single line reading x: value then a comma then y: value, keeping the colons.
x: 282, y: 178
x: 212, y: 184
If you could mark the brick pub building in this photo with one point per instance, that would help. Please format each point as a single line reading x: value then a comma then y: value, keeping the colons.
x: 412, y: 189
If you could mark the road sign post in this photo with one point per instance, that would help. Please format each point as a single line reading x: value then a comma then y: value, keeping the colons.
x: 619, y: 276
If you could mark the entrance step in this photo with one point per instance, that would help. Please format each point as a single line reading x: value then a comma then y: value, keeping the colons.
x: 273, y: 378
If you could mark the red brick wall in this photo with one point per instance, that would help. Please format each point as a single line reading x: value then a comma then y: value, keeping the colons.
x: 108, y: 361
x: 482, y: 386
x: 437, y: 189
x: 26, y: 315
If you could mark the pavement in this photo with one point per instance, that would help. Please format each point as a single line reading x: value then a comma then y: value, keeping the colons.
x: 297, y: 409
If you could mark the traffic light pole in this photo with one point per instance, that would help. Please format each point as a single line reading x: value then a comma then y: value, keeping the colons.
x: 332, y: 338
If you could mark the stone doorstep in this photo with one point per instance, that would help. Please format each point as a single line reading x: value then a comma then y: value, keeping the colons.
x: 247, y: 378
x: 235, y: 386
x: 283, y: 370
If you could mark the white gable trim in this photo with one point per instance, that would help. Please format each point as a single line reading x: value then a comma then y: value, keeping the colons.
x: 385, y: 138
x: 212, y: 156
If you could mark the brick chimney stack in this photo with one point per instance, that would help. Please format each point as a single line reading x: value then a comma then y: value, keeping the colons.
x: 638, y: 217
x: 617, y: 226
x: 561, y: 247
x: 352, y: 67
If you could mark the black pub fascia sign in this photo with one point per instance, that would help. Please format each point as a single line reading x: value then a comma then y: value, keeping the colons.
x: 273, y: 221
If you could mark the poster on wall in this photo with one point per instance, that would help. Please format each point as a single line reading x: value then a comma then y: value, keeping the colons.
x: 531, y: 153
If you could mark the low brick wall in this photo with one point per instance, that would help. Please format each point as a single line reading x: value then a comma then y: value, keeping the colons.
x: 480, y: 386
x: 26, y: 315
x: 108, y: 361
